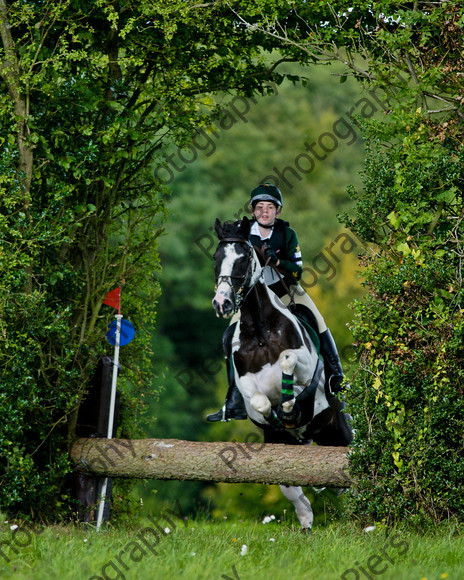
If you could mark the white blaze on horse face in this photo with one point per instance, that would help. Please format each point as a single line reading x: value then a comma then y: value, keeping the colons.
x: 223, y: 301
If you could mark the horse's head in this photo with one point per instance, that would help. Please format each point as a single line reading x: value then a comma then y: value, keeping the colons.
x: 236, y: 267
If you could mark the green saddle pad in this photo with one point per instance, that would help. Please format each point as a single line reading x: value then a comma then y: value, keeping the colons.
x: 312, y: 333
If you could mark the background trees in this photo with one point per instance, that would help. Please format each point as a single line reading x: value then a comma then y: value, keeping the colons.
x: 90, y: 94
x: 188, y: 357
x: 409, y: 329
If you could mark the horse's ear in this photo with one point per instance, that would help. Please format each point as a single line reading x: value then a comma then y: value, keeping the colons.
x: 245, y: 227
x: 218, y: 228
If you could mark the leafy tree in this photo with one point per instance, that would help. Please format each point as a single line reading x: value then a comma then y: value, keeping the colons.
x: 407, y: 397
x: 90, y: 94
x: 409, y: 330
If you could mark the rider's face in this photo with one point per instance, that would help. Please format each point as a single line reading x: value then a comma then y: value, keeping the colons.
x: 265, y: 212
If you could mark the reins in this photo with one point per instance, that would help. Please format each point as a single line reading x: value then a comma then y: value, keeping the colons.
x: 267, y: 262
x: 260, y: 251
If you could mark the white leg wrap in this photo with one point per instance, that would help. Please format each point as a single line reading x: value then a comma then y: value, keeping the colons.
x: 301, y: 503
x: 288, y: 405
x: 287, y: 361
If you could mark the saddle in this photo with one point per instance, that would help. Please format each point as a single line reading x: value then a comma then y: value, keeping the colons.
x: 307, y: 319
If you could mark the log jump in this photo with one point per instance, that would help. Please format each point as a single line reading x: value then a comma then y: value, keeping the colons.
x: 229, y: 462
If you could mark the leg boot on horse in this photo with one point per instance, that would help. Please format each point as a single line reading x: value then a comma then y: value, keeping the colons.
x: 234, y: 406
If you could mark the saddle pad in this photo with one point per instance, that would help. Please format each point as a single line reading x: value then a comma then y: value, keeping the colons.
x: 312, y: 333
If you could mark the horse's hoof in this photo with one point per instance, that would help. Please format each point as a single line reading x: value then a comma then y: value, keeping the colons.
x: 289, y: 420
x: 306, y: 531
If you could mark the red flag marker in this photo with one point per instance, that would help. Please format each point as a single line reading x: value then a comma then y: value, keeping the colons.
x: 113, y: 299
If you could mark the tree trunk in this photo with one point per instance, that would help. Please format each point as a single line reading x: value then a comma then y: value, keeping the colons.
x: 213, y: 461
x: 10, y: 70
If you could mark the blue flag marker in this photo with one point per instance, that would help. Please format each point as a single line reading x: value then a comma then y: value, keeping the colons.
x: 127, y: 333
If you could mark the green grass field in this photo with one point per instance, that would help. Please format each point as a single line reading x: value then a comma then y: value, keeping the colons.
x: 161, y: 549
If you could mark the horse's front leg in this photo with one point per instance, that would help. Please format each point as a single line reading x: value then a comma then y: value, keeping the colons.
x: 287, y: 362
x: 259, y: 403
x: 288, y: 413
x: 301, y: 504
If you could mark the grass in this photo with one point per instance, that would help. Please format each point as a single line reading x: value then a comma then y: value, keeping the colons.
x: 206, y: 550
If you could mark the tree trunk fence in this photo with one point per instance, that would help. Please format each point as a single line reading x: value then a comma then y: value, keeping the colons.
x: 229, y: 462
x: 96, y: 458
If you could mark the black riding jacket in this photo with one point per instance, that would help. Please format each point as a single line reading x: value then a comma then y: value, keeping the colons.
x: 285, y: 243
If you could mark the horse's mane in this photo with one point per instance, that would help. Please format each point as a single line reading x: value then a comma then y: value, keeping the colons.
x: 232, y: 229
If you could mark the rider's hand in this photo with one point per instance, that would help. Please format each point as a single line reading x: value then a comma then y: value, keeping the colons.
x: 271, y: 255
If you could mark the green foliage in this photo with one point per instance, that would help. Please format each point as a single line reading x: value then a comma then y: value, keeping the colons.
x: 91, y: 92
x: 407, y: 397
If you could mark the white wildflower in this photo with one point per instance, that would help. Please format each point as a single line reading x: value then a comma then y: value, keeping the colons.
x: 14, y: 527
x: 369, y: 529
x: 244, y: 550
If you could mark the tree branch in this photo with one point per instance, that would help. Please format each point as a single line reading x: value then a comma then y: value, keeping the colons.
x: 10, y: 70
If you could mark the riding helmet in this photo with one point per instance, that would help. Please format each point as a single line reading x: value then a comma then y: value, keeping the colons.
x: 266, y: 192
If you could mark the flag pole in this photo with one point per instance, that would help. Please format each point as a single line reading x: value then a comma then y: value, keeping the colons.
x: 109, y: 435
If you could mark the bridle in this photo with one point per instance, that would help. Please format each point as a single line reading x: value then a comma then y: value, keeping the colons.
x: 238, y: 294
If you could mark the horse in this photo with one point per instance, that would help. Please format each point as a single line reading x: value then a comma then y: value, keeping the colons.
x: 276, y: 365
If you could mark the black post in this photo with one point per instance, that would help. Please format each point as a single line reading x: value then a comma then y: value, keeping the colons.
x: 92, y: 421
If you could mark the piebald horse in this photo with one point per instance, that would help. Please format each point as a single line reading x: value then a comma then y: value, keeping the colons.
x: 276, y: 364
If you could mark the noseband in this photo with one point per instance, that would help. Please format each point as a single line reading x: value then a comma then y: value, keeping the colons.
x: 238, y: 295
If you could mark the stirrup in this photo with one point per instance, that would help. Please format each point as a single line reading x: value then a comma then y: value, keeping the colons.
x: 218, y: 416
x: 335, y: 382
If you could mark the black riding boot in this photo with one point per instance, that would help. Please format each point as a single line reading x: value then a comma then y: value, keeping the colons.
x: 234, y: 406
x: 332, y: 361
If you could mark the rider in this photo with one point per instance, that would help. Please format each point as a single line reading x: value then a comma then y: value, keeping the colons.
x: 280, y: 244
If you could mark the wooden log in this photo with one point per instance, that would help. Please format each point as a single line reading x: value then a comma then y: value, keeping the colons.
x: 213, y: 461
